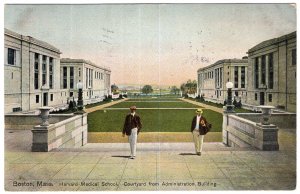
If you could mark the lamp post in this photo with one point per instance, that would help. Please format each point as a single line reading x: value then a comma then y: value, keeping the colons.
x: 80, y: 100
x: 229, y: 106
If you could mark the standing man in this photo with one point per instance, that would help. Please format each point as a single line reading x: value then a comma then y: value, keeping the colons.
x: 199, y: 128
x: 132, y: 127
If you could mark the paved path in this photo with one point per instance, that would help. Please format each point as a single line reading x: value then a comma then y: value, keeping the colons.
x: 100, y: 107
x: 216, y: 109
x: 158, y: 166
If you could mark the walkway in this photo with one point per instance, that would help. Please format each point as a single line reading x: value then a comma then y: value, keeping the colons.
x: 158, y: 166
x: 100, y: 107
x: 216, y: 109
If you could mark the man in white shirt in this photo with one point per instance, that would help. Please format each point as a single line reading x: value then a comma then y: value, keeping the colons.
x: 199, y: 128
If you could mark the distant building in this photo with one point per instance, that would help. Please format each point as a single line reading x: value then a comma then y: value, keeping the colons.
x: 31, y: 73
x: 95, y: 79
x: 213, y: 78
x: 272, y: 73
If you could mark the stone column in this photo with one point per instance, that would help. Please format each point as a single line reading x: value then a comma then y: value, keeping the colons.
x: 239, y: 76
x: 40, y: 71
x: 47, y: 72
x: 259, y: 71
x: 267, y: 71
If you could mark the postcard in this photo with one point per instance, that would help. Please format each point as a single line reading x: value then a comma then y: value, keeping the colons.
x: 150, y: 96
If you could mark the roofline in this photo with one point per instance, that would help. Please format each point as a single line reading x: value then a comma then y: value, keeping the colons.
x: 31, y: 40
x: 272, y: 41
x: 224, y: 61
x: 68, y: 60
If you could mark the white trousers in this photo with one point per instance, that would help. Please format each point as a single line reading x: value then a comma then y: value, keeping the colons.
x: 198, y: 141
x: 132, y: 141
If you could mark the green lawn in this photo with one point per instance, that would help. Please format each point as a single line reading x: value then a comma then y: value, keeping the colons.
x: 153, y: 120
x: 179, y: 104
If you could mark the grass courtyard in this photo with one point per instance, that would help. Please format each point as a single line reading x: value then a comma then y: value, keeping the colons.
x: 153, y: 120
x: 154, y: 104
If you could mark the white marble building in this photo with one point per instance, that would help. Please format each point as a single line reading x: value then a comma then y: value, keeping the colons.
x: 95, y: 79
x: 213, y: 78
x: 31, y: 73
x: 272, y: 73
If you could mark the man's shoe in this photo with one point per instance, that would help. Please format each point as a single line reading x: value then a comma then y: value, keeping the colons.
x: 131, y: 157
x: 199, y: 153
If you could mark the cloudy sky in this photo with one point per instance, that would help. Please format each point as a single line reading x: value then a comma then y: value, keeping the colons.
x: 160, y: 44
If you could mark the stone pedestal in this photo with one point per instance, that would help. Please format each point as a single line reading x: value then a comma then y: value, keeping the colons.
x: 40, y: 138
x: 266, y: 137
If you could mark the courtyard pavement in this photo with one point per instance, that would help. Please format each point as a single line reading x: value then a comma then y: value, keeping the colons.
x: 158, y: 166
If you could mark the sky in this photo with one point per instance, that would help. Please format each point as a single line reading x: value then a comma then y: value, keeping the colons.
x: 161, y: 44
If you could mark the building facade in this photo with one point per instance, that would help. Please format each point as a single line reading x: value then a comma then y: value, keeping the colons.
x: 213, y: 78
x: 272, y: 73
x: 95, y: 79
x: 31, y: 70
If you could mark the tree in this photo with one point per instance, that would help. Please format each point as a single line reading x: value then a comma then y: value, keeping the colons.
x: 175, y: 90
x: 147, y: 89
x: 189, y: 87
x: 114, y: 89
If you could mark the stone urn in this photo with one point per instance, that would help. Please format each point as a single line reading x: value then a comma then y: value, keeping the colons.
x: 45, y: 112
x: 266, y: 113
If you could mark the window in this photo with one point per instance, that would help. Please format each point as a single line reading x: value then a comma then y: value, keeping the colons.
x: 271, y: 71
x: 11, y: 56
x: 71, y: 94
x: 37, y: 99
x: 270, y: 97
x: 44, y: 70
x: 263, y: 69
x: 236, y: 77
x: 256, y: 73
x: 12, y: 75
x: 65, y: 77
x: 36, y: 71
x: 51, y: 97
x: 79, y: 72
x: 294, y: 57
x: 255, y: 96
x: 242, y: 77
x: 71, y: 77
x: 51, y: 73
x: 236, y: 93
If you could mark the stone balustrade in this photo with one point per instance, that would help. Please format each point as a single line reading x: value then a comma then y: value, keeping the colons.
x: 68, y: 133
x: 241, y: 132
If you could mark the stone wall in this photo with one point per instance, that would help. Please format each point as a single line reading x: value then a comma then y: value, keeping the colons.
x: 281, y: 120
x: 28, y: 121
x: 68, y: 133
x: 241, y: 132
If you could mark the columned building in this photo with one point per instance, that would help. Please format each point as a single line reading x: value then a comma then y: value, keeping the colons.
x: 272, y: 73
x: 213, y: 78
x: 31, y: 70
x: 95, y: 79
